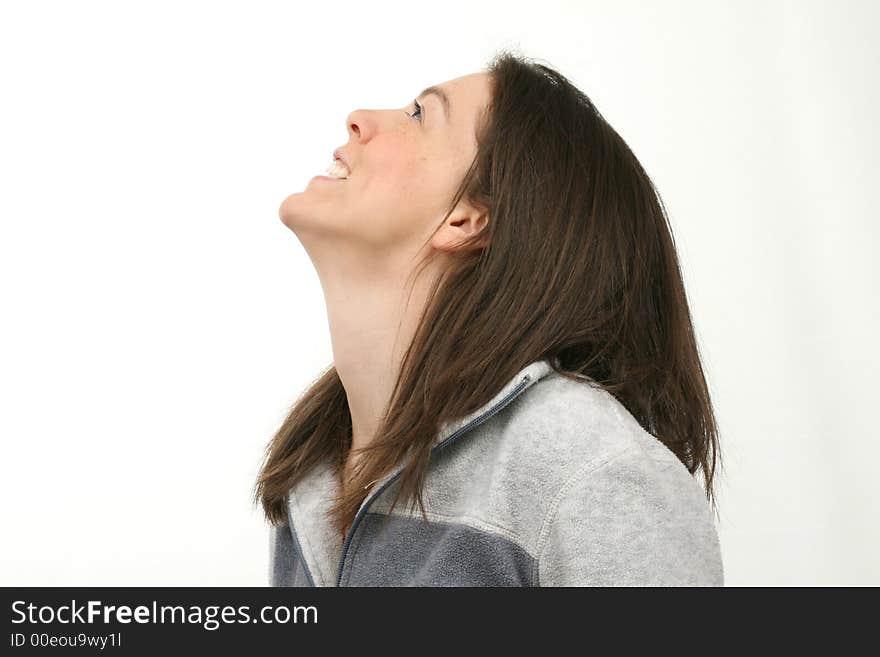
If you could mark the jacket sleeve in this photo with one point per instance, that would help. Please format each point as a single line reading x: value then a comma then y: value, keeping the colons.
x: 632, y: 521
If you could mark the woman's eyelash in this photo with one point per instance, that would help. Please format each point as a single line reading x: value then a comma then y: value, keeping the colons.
x: 418, y: 108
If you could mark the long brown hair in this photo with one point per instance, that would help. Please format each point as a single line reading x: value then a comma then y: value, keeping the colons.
x: 578, y: 265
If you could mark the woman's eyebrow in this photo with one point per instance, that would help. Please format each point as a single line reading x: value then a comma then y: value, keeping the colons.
x: 437, y: 91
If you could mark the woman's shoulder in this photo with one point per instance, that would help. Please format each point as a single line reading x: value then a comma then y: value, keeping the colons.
x: 568, y: 438
x: 598, y: 477
x: 565, y: 426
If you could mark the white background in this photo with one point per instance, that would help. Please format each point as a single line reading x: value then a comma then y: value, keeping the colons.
x: 158, y: 318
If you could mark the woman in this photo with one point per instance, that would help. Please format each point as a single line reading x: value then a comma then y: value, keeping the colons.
x: 518, y: 360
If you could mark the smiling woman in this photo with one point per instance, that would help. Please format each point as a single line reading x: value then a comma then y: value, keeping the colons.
x: 511, y: 344
x: 404, y: 165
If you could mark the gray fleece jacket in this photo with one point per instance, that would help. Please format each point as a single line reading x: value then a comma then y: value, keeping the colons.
x: 551, y: 483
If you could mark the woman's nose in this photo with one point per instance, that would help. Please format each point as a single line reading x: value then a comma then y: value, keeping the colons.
x: 356, y: 123
x: 363, y: 124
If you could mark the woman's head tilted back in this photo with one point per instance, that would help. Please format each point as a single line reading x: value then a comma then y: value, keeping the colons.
x: 545, y: 239
x: 404, y: 165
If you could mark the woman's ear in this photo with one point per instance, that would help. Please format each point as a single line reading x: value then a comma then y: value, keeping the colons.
x: 460, y: 226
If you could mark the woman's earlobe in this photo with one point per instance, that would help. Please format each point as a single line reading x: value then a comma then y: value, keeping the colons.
x: 452, y: 236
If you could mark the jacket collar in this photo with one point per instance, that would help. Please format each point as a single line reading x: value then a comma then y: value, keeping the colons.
x: 309, y: 501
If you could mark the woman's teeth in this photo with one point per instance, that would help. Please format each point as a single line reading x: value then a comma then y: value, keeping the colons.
x: 337, y: 170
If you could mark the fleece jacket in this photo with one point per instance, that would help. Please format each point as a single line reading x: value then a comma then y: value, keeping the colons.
x: 550, y: 483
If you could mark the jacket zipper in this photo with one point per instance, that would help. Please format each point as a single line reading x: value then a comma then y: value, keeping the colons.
x: 477, y: 420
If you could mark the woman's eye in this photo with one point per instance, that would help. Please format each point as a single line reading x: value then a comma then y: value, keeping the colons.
x: 418, y: 110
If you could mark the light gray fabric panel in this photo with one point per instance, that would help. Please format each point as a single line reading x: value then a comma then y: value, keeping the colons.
x: 630, y: 522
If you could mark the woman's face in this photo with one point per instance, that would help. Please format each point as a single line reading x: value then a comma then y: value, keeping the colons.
x: 406, y: 164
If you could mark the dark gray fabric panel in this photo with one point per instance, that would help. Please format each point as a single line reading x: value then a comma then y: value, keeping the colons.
x: 287, y: 567
x: 408, y: 551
